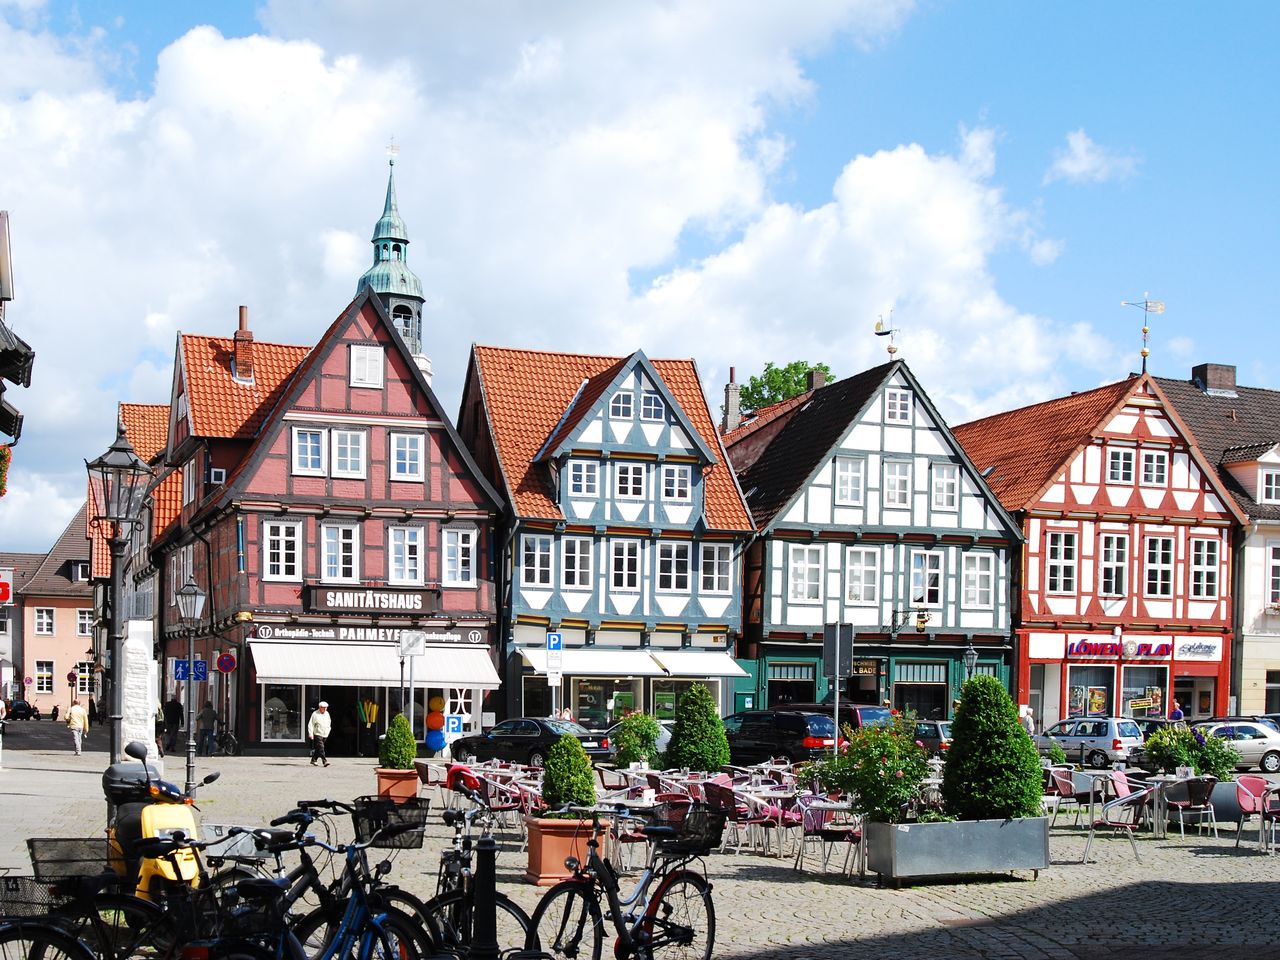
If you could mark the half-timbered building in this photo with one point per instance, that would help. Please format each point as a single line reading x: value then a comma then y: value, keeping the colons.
x: 1125, y: 579
x: 869, y: 513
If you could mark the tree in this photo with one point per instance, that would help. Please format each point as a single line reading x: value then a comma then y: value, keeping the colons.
x: 776, y: 384
x: 698, y: 739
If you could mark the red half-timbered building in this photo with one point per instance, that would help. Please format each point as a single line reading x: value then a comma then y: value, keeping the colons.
x: 1125, y: 580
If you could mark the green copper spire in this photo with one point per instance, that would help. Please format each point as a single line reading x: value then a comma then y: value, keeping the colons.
x: 390, y: 274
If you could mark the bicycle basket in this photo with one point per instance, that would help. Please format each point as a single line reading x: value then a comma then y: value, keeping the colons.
x: 55, y: 857
x: 28, y: 897
x: 699, y: 828
x: 371, y: 814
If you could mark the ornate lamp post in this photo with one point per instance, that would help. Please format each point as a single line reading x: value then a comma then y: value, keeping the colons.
x: 190, y: 607
x: 970, y: 661
x: 118, y: 479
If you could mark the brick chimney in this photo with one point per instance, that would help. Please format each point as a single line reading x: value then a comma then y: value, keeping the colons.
x: 732, y: 418
x: 244, y: 348
x: 817, y: 379
x: 1215, y: 378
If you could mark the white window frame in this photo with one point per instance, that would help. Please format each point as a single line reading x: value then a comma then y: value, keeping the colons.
x: 575, y: 562
x: 361, y: 442
x: 84, y: 678
x: 926, y: 566
x: 622, y: 405
x: 367, y: 361
x: 624, y: 565
x: 648, y: 413
x: 584, y: 478
x: 535, y: 560
x: 84, y: 621
x: 459, y: 562
x: 340, y: 546
x: 892, y: 482
x: 851, y: 480
x: 1120, y: 465
x: 406, y: 457
x: 44, y: 676
x: 636, y: 471
x: 277, y: 535
x: 1162, y: 569
x: 897, y: 405
x: 1155, y: 468
x: 406, y: 556
x: 1205, y: 568
x: 804, y: 574
x: 45, y: 622
x: 946, y: 486
x: 1273, y: 573
x: 1269, y: 485
x: 862, y: 575
x: 307, y: 470
x: 1061, y: 562
x: 188, y: 481
x: 677, y: 483
x: 978, y: 581
x: 717, y: 568
x: 1113, y: 565
x: 674, y: 559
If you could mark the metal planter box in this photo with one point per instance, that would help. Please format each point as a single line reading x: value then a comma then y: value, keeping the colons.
x: 899, y: 850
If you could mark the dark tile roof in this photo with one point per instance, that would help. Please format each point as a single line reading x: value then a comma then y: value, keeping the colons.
x: 52, y: 577
x: 23, y: 565
x: 813, y: 428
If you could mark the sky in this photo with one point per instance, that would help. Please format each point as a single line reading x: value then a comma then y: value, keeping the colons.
x: 737, y: 181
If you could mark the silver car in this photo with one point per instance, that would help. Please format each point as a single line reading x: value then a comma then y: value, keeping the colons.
x: 1097, y: 741
x: 1257, y: 744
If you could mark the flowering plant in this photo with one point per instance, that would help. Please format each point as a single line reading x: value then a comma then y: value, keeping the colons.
x: 1172, y: 747
x: 880, y: 770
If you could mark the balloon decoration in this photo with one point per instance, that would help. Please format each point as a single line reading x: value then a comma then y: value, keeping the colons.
x: 435, y: 739
x: 436, y: 704
x: 435, y: 721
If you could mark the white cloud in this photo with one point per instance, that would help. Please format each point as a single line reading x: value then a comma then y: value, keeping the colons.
x: 1084, y: 161
x: 36, y: 510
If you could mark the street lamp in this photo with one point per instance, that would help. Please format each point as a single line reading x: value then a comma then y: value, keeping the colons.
x: 190, y: 607
x: 970, y: 661
x: 118, y: 481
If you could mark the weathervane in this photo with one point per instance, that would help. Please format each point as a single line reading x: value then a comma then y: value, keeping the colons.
x: 889, y: 331
x: 393, y: 149
x: 1148, y: 306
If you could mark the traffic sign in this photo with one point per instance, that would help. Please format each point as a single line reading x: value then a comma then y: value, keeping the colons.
x: 201, y: 671
x: 27, y: 681
x: 180, y: 671
x: 555, y: 641
x: 71, y: 676
x: 227, y: 662
x: 555, y: 656
x: 453, y: 723
x: 554, y: 679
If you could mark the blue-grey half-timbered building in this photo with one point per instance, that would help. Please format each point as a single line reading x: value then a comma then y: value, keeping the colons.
x: 626, y: 530
x: 869, y: 513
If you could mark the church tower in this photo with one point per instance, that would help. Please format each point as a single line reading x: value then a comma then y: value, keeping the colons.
x: 391, y: 279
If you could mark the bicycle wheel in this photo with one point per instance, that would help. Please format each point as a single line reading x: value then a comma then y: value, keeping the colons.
x: 567, y: 922
x: 405, y: 902
x: 450, y: 915
x: 117, y: 926
x: 40, y: 941
x: 395, y: 936
x: 403, y: 936
x: 680, y: 922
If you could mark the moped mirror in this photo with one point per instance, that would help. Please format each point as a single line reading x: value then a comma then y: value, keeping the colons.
x: 209, y: 779
x: 137, y: 750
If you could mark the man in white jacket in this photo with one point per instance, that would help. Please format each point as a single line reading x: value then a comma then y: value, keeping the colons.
x: 317, y: 730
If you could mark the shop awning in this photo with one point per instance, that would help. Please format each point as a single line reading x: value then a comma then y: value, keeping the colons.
x: 698, y: 663
x: 596, y: 663
x: 370, y: 665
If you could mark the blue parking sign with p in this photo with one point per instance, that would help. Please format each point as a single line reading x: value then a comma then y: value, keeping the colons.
x: 453, y: 723
x: 555, y: 641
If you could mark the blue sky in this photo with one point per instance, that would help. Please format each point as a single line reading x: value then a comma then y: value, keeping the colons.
x: 729, y: 181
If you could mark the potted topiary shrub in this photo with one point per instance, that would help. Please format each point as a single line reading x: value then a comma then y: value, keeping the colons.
x: 698, y: 741
x: 397, y: 776
x: 637, y: 740
x: 567, y: 778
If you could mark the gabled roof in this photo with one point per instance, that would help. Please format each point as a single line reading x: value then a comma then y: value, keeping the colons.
x: 1021, y: 451
x: 23, y: 565
x: 763, y: 417
x: 592, y: 389
x: 1247, y: 453
x: 220, y: 406
x: 51, y: 577
x: 526, y: 393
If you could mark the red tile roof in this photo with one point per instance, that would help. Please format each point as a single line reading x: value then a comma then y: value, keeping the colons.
x: 1027, y: 448
x: 763, y: 417
x: 526, y: 392
x: 147, y: 427
x: 221, y: 407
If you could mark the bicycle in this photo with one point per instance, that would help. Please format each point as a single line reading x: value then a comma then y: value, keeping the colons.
x: 38, y: 940
x: 88, y: 908
x: 676, y: 920
x: 225, y: 742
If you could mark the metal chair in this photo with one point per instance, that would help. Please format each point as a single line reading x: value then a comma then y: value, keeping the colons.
x: 1120, y: 815
x: 1194, y: 801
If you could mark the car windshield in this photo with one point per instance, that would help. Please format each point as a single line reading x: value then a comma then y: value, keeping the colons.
x: 1128, y: 728
x: 875, y: 716
x: 944, y: 728
x: 820, y: 726
x: 568, y: 726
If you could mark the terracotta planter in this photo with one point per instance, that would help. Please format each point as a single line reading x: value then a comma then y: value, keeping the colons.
x: 397, y: 785
x: 550, y: 842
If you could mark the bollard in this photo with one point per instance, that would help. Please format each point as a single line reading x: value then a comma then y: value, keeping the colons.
x: 484, y: 911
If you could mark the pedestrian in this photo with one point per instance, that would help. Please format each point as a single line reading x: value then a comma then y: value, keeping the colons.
x: 566, y: 714
x: 207, y: 721
x: 1028, y: 721
x: 172, y: 722
x: 78, y: 724
x: 1176, y: 713
x: 93, y: 711
x: 318, y: 730
x: 159, y: 731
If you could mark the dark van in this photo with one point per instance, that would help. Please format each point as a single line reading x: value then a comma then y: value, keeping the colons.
x: 852, y: 715
x: 757, y: 736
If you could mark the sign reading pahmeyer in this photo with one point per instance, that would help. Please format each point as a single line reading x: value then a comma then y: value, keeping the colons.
x: 372, y: 599
x: 293, y: 631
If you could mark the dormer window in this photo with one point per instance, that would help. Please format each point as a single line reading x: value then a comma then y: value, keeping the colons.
x: 582, y: 478
x: 651, y: 407
x: 1155, y: 468
x: 79, y: 570
x: 620, y: 407
x: 1269, y: 486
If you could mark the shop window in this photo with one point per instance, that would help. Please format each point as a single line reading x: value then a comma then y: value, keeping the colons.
x: 667, y: 695
x: 599, y: 703
x: 281, y: 711
x: 792, y: 683
x: 1090, y: 691
x: 1273, y: 691
x: 1142, y: 691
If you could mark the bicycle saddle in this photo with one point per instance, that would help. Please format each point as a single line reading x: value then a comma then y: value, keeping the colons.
x: 658, y: 830
x: 261, y: 888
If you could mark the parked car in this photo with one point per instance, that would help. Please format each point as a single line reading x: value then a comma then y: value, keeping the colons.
x: 756, y: 736
x: 852, y: 715
x: 1101, y: 741
x: 1149, y: 725
x: 664, y: 735
x: 1257, y: 743
x: 22, y: 710
x: 1261, y: 718
x: 935, y: 735
x: 527, y: 740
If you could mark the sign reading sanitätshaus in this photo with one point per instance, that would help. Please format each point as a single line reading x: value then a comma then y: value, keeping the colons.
x: 410, y: 601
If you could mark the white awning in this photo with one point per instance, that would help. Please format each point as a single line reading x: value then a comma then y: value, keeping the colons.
x: 370, y: 665
x: 596, y: 663
x: 698, y: 663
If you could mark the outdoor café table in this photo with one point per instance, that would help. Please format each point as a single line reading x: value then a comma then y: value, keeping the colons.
x: 1269, y: 796
x: 1099, y: 785
x: 833, y: 806
x: 1160, y: 802
x: 765, y: 795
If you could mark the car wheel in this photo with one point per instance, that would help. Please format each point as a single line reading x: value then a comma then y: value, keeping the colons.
x: 1270, y: 762
x: 1099, y: 759
x: 537, y: 759
x: 464, y: 755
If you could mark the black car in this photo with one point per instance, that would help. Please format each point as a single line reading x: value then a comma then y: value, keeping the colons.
x: 760, y: 735
x: 852, y: 715
x: 527, y: 740
x: 22, y: 710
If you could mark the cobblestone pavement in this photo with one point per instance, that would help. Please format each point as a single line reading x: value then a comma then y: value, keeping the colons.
x: 1197, y: 894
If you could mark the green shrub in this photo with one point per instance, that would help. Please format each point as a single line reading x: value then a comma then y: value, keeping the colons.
x: 880, y: 770
x: 993, y: 770
x: 636, y: 740
x: 1057, y: 756
x: 697, y: 739
x: 1172, y: 747
x: 567, y: 777
x: 398, y: 749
